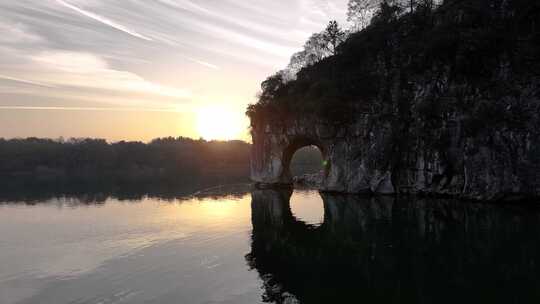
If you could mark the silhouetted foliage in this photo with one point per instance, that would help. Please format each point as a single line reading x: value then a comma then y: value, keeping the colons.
x: 429, y: 57
x: 333, y: 36
x: 95, y: 160
x: 317, y: 47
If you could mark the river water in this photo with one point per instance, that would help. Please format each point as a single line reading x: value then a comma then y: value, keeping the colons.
x: 238, y: 245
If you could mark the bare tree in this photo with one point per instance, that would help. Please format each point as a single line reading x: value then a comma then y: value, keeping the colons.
x: 317, y: 47
x: 360, y: 12
x: 332, y: 37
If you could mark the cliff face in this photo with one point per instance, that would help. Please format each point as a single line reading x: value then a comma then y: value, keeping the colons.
x: 371, y: 155
x: 443, y: 101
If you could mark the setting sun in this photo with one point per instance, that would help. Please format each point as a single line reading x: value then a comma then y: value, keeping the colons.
x: 220, y: 123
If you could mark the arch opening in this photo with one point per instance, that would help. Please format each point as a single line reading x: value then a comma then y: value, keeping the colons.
x: 305, y: 164
x: 306, y: 160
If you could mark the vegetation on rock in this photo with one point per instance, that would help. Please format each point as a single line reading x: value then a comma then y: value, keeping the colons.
x: 479, y: 58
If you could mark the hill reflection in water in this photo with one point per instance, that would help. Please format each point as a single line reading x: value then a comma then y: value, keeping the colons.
x: 386, y: 250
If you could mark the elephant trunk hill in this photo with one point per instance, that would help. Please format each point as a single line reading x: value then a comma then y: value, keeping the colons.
x: 436, y: 99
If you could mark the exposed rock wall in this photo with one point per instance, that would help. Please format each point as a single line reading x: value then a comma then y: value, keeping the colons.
x: 389, y: 156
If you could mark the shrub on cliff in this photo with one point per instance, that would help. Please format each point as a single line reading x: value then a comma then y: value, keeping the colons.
x: 479, y: 57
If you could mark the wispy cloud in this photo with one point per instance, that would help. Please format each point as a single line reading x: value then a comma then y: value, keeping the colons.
x: 203, y: 63
x: 104, y: 20
x: 17, y: 34
x: 105, y: 109
x: 147, y: 55
x: 186, y: 5
x: 26, y: 81
x: 88, y: 70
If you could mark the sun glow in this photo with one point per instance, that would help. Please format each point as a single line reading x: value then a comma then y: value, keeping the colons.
x: 220, y: 123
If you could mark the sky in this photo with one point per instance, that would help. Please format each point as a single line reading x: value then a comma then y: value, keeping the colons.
x: 141, y: 69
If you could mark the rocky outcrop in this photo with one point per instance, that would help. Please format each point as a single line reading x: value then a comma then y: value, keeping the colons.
x: 374, y: 155
x: 441, y: 100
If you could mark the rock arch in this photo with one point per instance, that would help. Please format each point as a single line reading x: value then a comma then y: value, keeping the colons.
x: 344, y: 155
x: 273, y: 150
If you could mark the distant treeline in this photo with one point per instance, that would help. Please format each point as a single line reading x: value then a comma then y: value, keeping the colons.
x: 97, y: 161
x: 98, y: 164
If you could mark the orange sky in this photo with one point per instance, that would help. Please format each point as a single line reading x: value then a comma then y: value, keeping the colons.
x: 138, y: 70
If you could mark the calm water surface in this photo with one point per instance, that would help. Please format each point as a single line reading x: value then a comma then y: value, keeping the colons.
x: 236, y: 245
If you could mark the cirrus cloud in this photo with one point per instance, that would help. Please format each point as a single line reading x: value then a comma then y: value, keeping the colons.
x: 154, y: 55
x: 103, y: 20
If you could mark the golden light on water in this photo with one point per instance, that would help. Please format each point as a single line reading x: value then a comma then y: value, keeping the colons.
x: 220, y: 123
